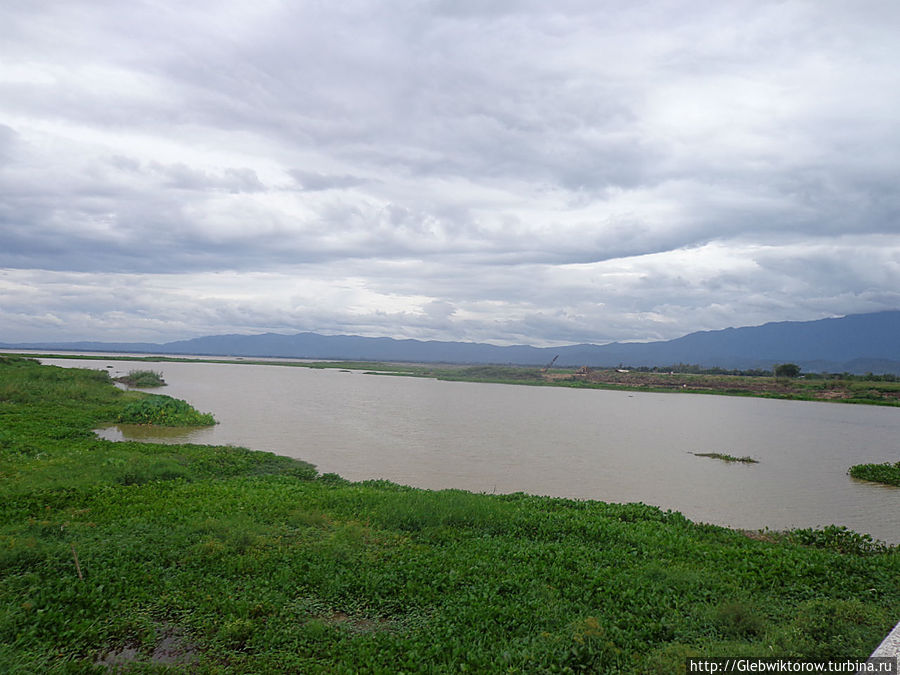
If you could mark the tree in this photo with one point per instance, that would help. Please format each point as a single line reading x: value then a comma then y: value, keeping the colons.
x: 787, y: 370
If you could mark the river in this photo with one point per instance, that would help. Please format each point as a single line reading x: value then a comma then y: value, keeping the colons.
x: 591, y: 444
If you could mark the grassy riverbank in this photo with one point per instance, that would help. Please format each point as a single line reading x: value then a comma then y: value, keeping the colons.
x: 238, y: 561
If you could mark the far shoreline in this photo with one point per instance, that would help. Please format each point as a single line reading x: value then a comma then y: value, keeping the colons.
x: 844, y: 388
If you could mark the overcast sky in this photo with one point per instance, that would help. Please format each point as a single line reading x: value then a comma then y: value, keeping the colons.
x: 498, y: 171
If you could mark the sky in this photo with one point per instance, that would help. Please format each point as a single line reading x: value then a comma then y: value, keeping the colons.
x: 494, y: 171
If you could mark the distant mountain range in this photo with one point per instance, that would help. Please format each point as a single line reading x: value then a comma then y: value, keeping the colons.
x: 858, y: 343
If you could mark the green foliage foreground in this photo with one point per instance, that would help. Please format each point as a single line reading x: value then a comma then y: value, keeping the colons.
x: 219, y: 559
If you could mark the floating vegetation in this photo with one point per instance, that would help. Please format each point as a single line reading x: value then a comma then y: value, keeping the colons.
x: 142, y: 378
x: 726, y: 458
x: 165, y: 411
x: 887, y: 473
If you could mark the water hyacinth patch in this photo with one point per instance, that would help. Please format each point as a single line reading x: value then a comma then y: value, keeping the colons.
x: 886, y: 473
x: 165, y: 411
x: 142, y: 378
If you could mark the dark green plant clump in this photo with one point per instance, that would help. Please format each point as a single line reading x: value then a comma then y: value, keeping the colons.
x: 165, y: 411
x: 886, y: 473
x: 135, y: 557
x: 142, y: 378
x: 727, y: 458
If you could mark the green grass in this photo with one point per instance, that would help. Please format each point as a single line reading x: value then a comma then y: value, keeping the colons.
x: 727, y: 458
x: 142, y: 378
x: 886, y: 473
x: 248, y: 562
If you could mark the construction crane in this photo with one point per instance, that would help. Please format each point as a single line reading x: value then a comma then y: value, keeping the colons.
x: 549, y: 365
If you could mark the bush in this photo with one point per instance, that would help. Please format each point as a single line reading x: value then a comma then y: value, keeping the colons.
x: 787, y: 370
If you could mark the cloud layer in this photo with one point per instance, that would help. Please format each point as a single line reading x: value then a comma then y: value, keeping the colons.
x: 504, y: 172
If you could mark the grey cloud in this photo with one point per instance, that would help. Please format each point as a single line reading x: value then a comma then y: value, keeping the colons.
x: 7, y: 139
x: 313, y: 182
x: 475, y: 159
x: 181, y: 176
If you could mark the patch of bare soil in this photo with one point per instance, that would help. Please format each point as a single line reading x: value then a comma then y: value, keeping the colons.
x: 831, y: 394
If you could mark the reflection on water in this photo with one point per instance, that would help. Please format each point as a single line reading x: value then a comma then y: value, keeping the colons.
x: 613, y: 446
x: 145, y: 432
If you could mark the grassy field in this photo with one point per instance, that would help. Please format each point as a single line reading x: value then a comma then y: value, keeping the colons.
x: 159, y: 558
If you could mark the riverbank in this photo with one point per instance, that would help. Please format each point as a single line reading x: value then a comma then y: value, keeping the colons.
x: 837, y: 388
x: 239, y: 561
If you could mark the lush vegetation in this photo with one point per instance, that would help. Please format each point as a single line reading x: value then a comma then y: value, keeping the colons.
x: 142, y: 378
x: 230, y: 560
x: 880, y: 473
x: 727, y: 458
x: 163, y: 410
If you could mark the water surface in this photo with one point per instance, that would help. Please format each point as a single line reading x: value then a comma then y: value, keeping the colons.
x: 607, y: 445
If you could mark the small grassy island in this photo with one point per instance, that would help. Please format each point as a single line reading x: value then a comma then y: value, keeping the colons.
x: 886, y: 473
x: 142, y: 378
x: 224, y: 560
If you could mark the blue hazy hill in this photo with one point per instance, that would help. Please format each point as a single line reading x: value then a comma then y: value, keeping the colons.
x: 857, y: 343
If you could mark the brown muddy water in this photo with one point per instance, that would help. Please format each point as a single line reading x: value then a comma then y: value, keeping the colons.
x: 591, y: 444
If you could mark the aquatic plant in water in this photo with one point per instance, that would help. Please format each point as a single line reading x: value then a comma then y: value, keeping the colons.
x: 142, y: 378
x: 165, y: 411
x: 726, y: 458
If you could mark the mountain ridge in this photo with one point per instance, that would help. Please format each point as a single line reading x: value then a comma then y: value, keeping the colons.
x: 855, y: 343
